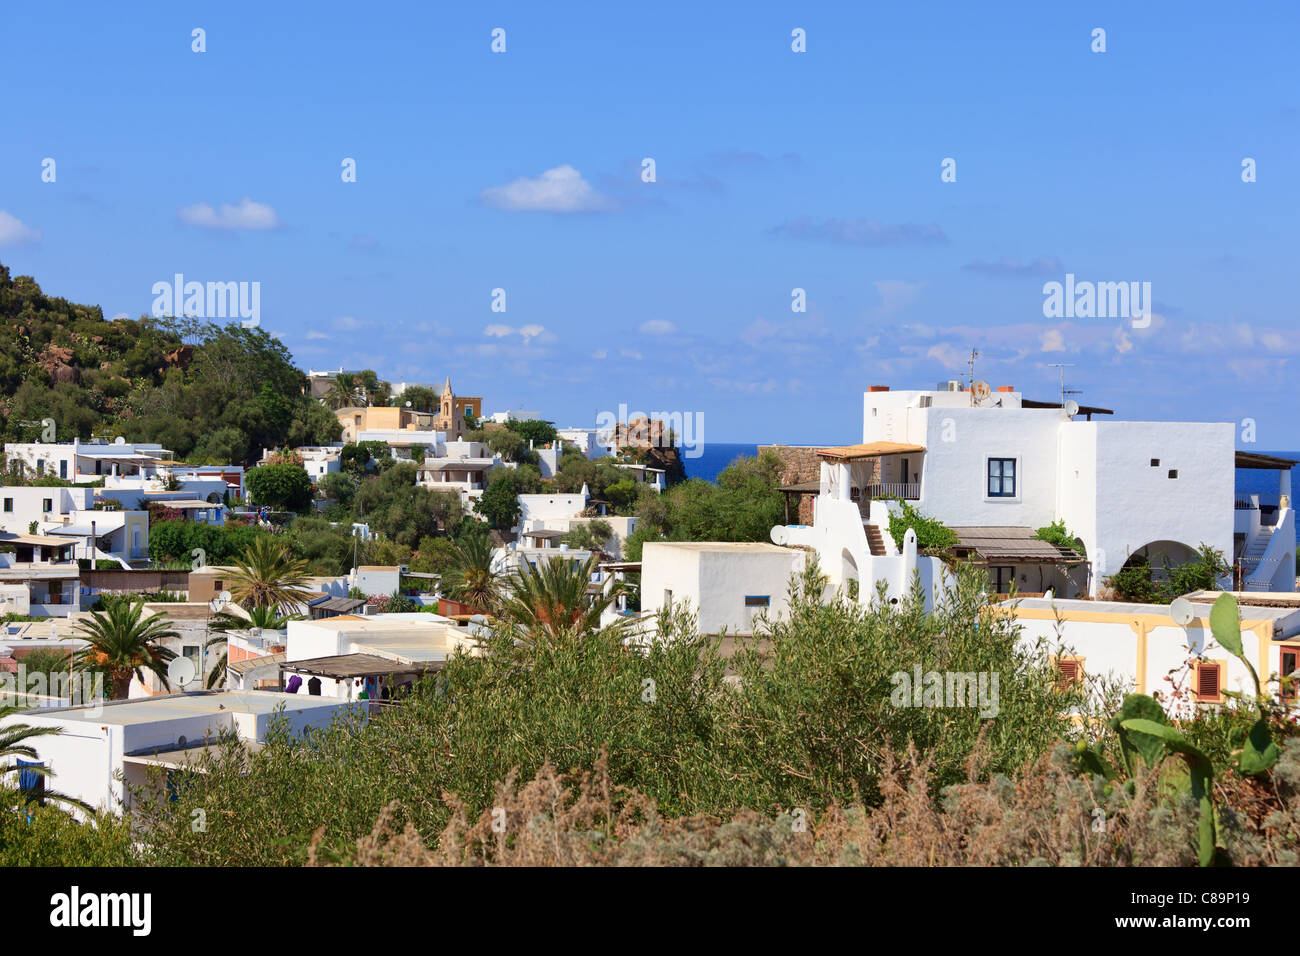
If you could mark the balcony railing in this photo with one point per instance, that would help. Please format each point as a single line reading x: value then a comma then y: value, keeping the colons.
x: 907, y: 490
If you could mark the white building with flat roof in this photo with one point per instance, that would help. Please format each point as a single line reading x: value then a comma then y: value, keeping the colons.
x: 995, y: 467
x: 105, y: 748
x: 728, y: 584
x: 79, y: 461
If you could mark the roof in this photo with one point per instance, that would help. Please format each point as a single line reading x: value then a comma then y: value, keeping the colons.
x: 341, y: 604
x: 185, y: 504
x: 1250, y: 459
x: 1120, y: 608
x: 869, y: 450
x: 545, y: 534
x: 1083, y: 409
x: 1010, y: 543
x: 802, y: 487
x: 45, y: 540
x: 344, y: 666
x: 621, y: 565
x: 458, y: 464
x: 143, y: 710
x: 253, y: 663
x: 723, y: 547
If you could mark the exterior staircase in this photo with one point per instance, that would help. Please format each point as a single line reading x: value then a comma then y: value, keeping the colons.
x: 874, y: 539
x: 1252, y: 556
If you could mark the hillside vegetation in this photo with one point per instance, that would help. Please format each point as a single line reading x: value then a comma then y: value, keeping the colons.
x: 210, y: 393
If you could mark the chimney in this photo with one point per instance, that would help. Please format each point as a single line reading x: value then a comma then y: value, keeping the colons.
x: 1006, y: 388
x: 877, y: 388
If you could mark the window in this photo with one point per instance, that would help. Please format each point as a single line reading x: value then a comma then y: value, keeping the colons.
x: 1207, y: 682
x: 9, y: 504
x: 1069, y: 671
x: 63, y: 468
x: 1002, y: 478
x: 1290, y: 663
x: 1155, y: 462
x: 668, y: 597
x: 1173, y: 472
x: 47, y: 504
x: 758, y: 600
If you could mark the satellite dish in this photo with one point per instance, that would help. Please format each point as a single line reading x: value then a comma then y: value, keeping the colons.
x: 1181, y: 611
x: 119, y: 440
x: 1071, y: 408
x: 224, y: 597
x: 980, y: 391
x: 181, y: 671
x: 780, y: 535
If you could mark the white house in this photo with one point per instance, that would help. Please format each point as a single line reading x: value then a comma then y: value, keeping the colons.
x: 44, y: 565
x: 459, y: 466
x: 106, y: 747
x: 71, y: 514
x: 586, y: 440
x: 1144, y: 648
x: 343, y: 656
x: 994, y: 467
x: 79, y: 461
x: 727, y: 584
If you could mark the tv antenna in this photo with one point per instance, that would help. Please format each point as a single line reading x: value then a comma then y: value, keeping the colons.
x: 970, y: 382
x: 1065, y: 391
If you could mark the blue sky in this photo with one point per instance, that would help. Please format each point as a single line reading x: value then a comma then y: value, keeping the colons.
x: 775, y: 170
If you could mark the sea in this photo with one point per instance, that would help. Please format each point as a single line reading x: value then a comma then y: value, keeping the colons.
x: 718, y: 455
x: 715, y: 457
x: 1262, y: 482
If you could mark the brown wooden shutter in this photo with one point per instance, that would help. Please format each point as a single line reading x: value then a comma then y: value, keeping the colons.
x: 1207, y: 681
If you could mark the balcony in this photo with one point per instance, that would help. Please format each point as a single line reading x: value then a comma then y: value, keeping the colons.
x: 907, y: 490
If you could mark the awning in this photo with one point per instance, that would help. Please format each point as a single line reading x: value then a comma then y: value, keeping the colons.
x: 869, y: 450
x: 348, y: 666
x: 1088, y: 410
x: 1250, y: 459
x: 1012, y: 545
x: 802, y: 488
x: 254, y: 663
x: 341, y: 605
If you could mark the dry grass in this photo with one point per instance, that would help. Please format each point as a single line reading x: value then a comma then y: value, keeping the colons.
x: 1046, y: 816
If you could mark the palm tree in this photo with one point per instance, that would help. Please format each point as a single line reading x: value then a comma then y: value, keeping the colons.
x: 14, y: 745
x: 342, y: 391
x: 550, y: 601
x: 124, y: 644
x: 471, y: 578
x: 269, y: 576
x: 261, y: 618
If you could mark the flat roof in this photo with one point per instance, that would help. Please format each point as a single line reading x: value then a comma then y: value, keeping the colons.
x: 143, y: 710
x: 740, y: 547
x: 1123, y: 609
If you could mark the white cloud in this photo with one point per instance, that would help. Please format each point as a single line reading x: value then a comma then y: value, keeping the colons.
x: 1053, y: 341
x: 14, y: 232
x: 600, y: 354
x: 561, y: 189
x: 631, y: 354
x: 245, y: 214
x: 346, y: 323
x: 658, y: 327
x: 525, y: 332
x: 313, y: 334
